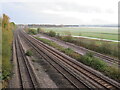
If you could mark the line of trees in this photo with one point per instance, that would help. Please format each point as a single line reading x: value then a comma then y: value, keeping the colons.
x: 7, y: 37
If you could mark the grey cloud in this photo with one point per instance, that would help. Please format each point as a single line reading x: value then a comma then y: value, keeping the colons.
x: 26, y: 13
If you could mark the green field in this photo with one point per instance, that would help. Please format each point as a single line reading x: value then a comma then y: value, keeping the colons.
x: 97, y: 32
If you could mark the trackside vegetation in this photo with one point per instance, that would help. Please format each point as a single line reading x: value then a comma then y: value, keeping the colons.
x: 29, y: 53
x: 108, y: 48
x: 52, y: 33
x: 103, y: 47
x: 7, y: 37
x: 32, y: 31
x: 87, y: 59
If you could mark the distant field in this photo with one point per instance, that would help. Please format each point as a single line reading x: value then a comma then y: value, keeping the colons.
x: 110, y: 33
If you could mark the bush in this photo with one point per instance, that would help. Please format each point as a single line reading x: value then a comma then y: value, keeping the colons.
x: 94, y: 62
x: 58, y: 36
x: 40, y: 30
x: 29, y: 53
x: 90, y: 54
x: 104, y: 48
x: 68, y: 38
x: 32, y: 31
x: 68, y: 50
x: 52, y: 33
x: 113, y: 72
x: 98, y: 64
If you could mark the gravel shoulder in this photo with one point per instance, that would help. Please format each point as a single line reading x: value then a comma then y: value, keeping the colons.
x: 14, y: 81
x: 47, y: 75
x: 44, y: 80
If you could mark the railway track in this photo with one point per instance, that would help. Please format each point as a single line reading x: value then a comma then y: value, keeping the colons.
x: 108, y: 59
x: 26, y: 76
x: 82, y: 74
x: 60, y: 68
x: 99, y: 55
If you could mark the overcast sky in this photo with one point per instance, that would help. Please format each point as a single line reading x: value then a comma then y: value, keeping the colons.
x: 61, y: 11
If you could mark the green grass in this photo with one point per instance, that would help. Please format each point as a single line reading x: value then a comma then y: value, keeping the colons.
x: 103, y: 32
x: 87, y: 59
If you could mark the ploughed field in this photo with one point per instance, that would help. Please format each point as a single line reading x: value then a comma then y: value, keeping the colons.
x: 110, y: 33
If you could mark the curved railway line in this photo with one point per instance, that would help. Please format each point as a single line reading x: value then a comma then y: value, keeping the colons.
x: 26, y: 76
x: 108, y: 59
x: 75, y: 72
x: 99, y: 55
